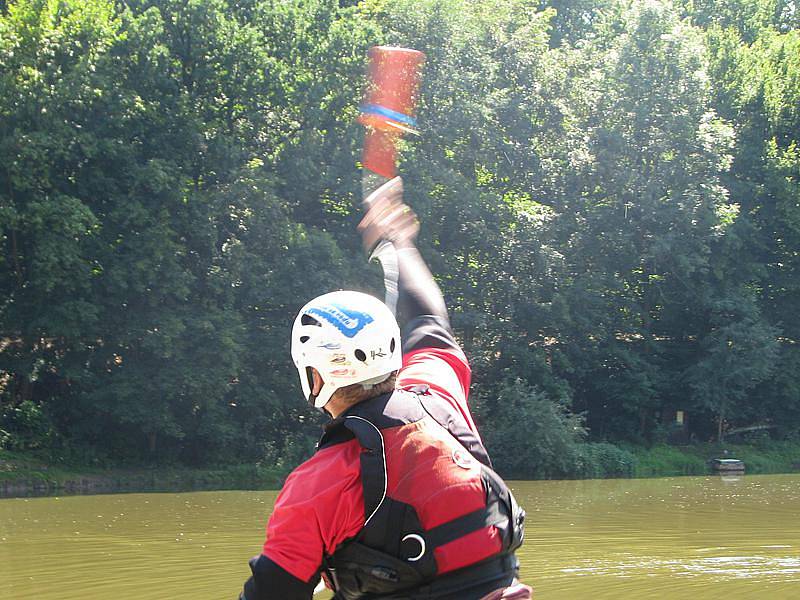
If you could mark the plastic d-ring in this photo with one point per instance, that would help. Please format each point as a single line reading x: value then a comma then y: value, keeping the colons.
x: 416, y: 538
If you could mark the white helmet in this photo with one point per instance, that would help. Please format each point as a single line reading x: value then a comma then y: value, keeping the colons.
x: 349, y: 337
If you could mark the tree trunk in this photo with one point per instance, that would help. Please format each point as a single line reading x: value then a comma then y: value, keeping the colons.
x: 23, y: 389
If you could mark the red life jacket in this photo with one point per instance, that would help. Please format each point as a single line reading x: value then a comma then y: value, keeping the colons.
x: 439, y: 522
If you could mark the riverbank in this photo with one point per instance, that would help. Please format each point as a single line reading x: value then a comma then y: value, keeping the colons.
x: 26, y: 475
x: 765, y: 458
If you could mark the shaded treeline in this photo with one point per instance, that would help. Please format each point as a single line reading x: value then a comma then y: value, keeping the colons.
x: 609, y: 193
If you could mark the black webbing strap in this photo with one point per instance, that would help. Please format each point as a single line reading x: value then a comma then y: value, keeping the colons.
x: 373, y: 463
x: 473, y: 581
x: 465, y: 524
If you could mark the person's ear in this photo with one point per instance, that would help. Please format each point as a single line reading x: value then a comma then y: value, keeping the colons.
x: 316, y: 381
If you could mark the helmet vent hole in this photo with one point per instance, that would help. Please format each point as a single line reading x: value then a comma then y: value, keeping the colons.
x: 391, y: 346
x: 360, y: 355
x: 309, y: 320
x: 304, y: 339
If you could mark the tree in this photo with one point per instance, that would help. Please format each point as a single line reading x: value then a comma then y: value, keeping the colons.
x: 737, y: 354
x: 531, y: 435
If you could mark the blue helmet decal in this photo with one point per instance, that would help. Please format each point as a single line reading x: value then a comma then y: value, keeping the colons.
x: 346, y: 320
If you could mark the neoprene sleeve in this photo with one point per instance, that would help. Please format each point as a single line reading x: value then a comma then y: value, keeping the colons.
x: 270, y: 581
x: 419, y: 294
x: 421, y: 307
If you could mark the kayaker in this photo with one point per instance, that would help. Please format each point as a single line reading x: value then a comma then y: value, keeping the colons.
x: 400, y: 500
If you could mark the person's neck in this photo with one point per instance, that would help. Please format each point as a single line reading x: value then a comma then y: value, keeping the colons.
x: 336, y: 407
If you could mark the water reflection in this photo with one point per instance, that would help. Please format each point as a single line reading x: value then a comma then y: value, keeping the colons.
x: 654, y: 538
x: 665, y: 538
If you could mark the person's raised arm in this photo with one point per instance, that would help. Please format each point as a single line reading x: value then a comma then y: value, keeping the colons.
x: 421, y: 308
x: 432, y: 357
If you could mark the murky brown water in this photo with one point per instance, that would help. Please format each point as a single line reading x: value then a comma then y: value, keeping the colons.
x: 698, y: 537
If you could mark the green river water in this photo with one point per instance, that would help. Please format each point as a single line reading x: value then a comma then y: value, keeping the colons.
x: 688, y: 537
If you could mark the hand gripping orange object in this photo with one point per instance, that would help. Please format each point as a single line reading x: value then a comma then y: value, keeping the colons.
x: 389, y: 104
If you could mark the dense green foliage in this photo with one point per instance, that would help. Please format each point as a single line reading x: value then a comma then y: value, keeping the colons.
x: 609, y: 193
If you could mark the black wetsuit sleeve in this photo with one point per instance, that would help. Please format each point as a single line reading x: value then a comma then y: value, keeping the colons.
x: 270, y: 581
x: 420, y: 304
